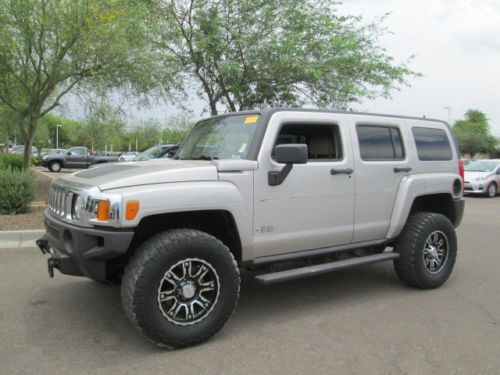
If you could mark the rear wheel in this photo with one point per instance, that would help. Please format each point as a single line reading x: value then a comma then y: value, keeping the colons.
x: 491, y: 191
x: 428, y: 250
x: 55, y: 166
x: 180, y: 287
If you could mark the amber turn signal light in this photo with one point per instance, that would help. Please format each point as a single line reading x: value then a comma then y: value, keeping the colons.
x: 131, y: 210
x: 103, y: 210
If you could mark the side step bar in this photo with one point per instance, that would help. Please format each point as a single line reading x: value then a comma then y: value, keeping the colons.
x: 318, y: 269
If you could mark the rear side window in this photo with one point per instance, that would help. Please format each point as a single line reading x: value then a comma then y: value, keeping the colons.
x: 432, y: 144
x: 380, y: 143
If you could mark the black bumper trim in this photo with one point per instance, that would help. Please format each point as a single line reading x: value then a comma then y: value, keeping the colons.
x: 83, y: 251
x: 459, y: 206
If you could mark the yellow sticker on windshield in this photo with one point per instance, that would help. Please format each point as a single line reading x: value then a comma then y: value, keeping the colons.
x: 251, y: 119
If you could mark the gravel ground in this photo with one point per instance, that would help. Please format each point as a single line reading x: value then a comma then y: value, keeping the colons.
x: 34, y: 218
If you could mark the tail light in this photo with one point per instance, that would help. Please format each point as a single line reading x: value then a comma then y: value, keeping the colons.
x: 461, y: 169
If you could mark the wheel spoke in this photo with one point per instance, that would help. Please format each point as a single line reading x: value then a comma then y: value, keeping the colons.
x: 435, y: 251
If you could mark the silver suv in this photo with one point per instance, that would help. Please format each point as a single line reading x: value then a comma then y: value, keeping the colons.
x: 281, y: 193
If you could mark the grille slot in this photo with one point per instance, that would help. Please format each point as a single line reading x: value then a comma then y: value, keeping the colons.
x: 60, y: 201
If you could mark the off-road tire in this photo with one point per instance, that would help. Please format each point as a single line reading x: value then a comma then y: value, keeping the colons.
x: 52, y: 164
x: 145, y: 271
x: 488, y: 190
x: 410, y: 245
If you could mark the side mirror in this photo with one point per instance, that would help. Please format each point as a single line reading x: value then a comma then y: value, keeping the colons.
x: 291, y: 153
x: 69, y: 153
x: 498, y: 171
x: 288, y: 154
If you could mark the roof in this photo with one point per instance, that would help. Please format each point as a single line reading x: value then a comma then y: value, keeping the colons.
x: 271, y: 110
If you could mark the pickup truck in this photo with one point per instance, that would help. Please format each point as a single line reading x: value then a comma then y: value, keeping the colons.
x: 76, y: 157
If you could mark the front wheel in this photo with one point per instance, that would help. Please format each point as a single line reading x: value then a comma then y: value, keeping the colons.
x: 428, y: 250
x: 491, y: 191
x: 55, y: 166
x: 180, y: 287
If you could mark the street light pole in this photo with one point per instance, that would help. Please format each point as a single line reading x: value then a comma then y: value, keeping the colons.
x: 57, y: 135
x: 448, y: 108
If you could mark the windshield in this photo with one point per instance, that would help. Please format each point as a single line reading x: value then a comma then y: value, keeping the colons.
x: 151, y: 153
x: 481, y: 166
x: 220, y: 138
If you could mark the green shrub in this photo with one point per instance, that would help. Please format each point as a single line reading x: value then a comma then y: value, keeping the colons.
x: 14, y: 162
x: 35, y: 160
x: 17, y: 190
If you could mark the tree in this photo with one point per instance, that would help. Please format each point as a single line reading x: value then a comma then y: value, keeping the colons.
x: 473, y: 134
x: 8, y: 126
x: 104, y: 127
x: 50, y: 47
x: 248, y: 54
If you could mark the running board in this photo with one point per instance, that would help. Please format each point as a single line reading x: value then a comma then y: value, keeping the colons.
x: 318, y: 269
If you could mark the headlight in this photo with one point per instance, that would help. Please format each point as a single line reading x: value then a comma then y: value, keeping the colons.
x: 481, y: 178
x: 44, y: 157
x: 75, y: 210
x: 97, y: 208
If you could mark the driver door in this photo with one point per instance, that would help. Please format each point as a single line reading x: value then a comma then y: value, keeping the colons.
x: 314, y: 206
x: 77, y: 157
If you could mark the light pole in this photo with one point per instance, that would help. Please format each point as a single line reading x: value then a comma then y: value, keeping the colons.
x: 448, y: 108
x: 57, y: 135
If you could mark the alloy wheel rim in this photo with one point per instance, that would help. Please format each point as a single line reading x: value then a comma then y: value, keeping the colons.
x: 492, y: 190
x: 435, y: 251
x: 188, y: 291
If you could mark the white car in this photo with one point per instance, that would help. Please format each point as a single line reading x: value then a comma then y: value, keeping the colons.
x: 128, y: 156
x: 482, y: 177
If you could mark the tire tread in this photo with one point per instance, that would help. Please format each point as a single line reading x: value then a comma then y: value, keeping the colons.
x: 151, y: 251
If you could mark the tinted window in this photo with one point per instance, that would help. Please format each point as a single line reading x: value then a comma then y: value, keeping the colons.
x: 323, y: 141
x: 432, y: 144
x: 79, y: 151
x: 379, y: 143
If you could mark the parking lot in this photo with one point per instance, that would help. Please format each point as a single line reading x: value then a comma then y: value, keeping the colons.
x: 351, y: 322
x: 54, y: 175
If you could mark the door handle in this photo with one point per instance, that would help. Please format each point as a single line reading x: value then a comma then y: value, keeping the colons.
x: 402, y: 169
x: 335, y: 171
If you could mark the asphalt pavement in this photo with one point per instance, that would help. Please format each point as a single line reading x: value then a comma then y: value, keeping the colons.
x: 361, y: 321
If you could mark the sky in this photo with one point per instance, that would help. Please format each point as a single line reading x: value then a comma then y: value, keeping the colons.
x: 456, y: 44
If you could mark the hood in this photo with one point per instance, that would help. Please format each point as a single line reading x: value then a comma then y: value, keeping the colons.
x: 470, y: 175
x: 112, y: 176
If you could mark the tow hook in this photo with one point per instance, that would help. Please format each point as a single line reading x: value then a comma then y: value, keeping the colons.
x: 51, y: 264
x: 43, y: 245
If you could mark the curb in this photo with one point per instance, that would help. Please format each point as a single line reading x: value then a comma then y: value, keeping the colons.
x: 19, y: 238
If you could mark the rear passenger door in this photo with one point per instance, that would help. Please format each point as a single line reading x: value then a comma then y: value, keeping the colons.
x: 381, y: 162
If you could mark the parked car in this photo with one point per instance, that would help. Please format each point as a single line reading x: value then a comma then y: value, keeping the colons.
x: 158, y: 152
x: 75, y: 157
x: 19, y: 150
x: 264, y: 191
x: 128, y: 156
x: 482, y: 177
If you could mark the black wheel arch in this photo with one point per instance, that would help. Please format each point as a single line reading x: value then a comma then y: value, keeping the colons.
x: 218, y: 223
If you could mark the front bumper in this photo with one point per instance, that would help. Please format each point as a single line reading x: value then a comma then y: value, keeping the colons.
x: 475, y: 187
x: 81, y: 251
